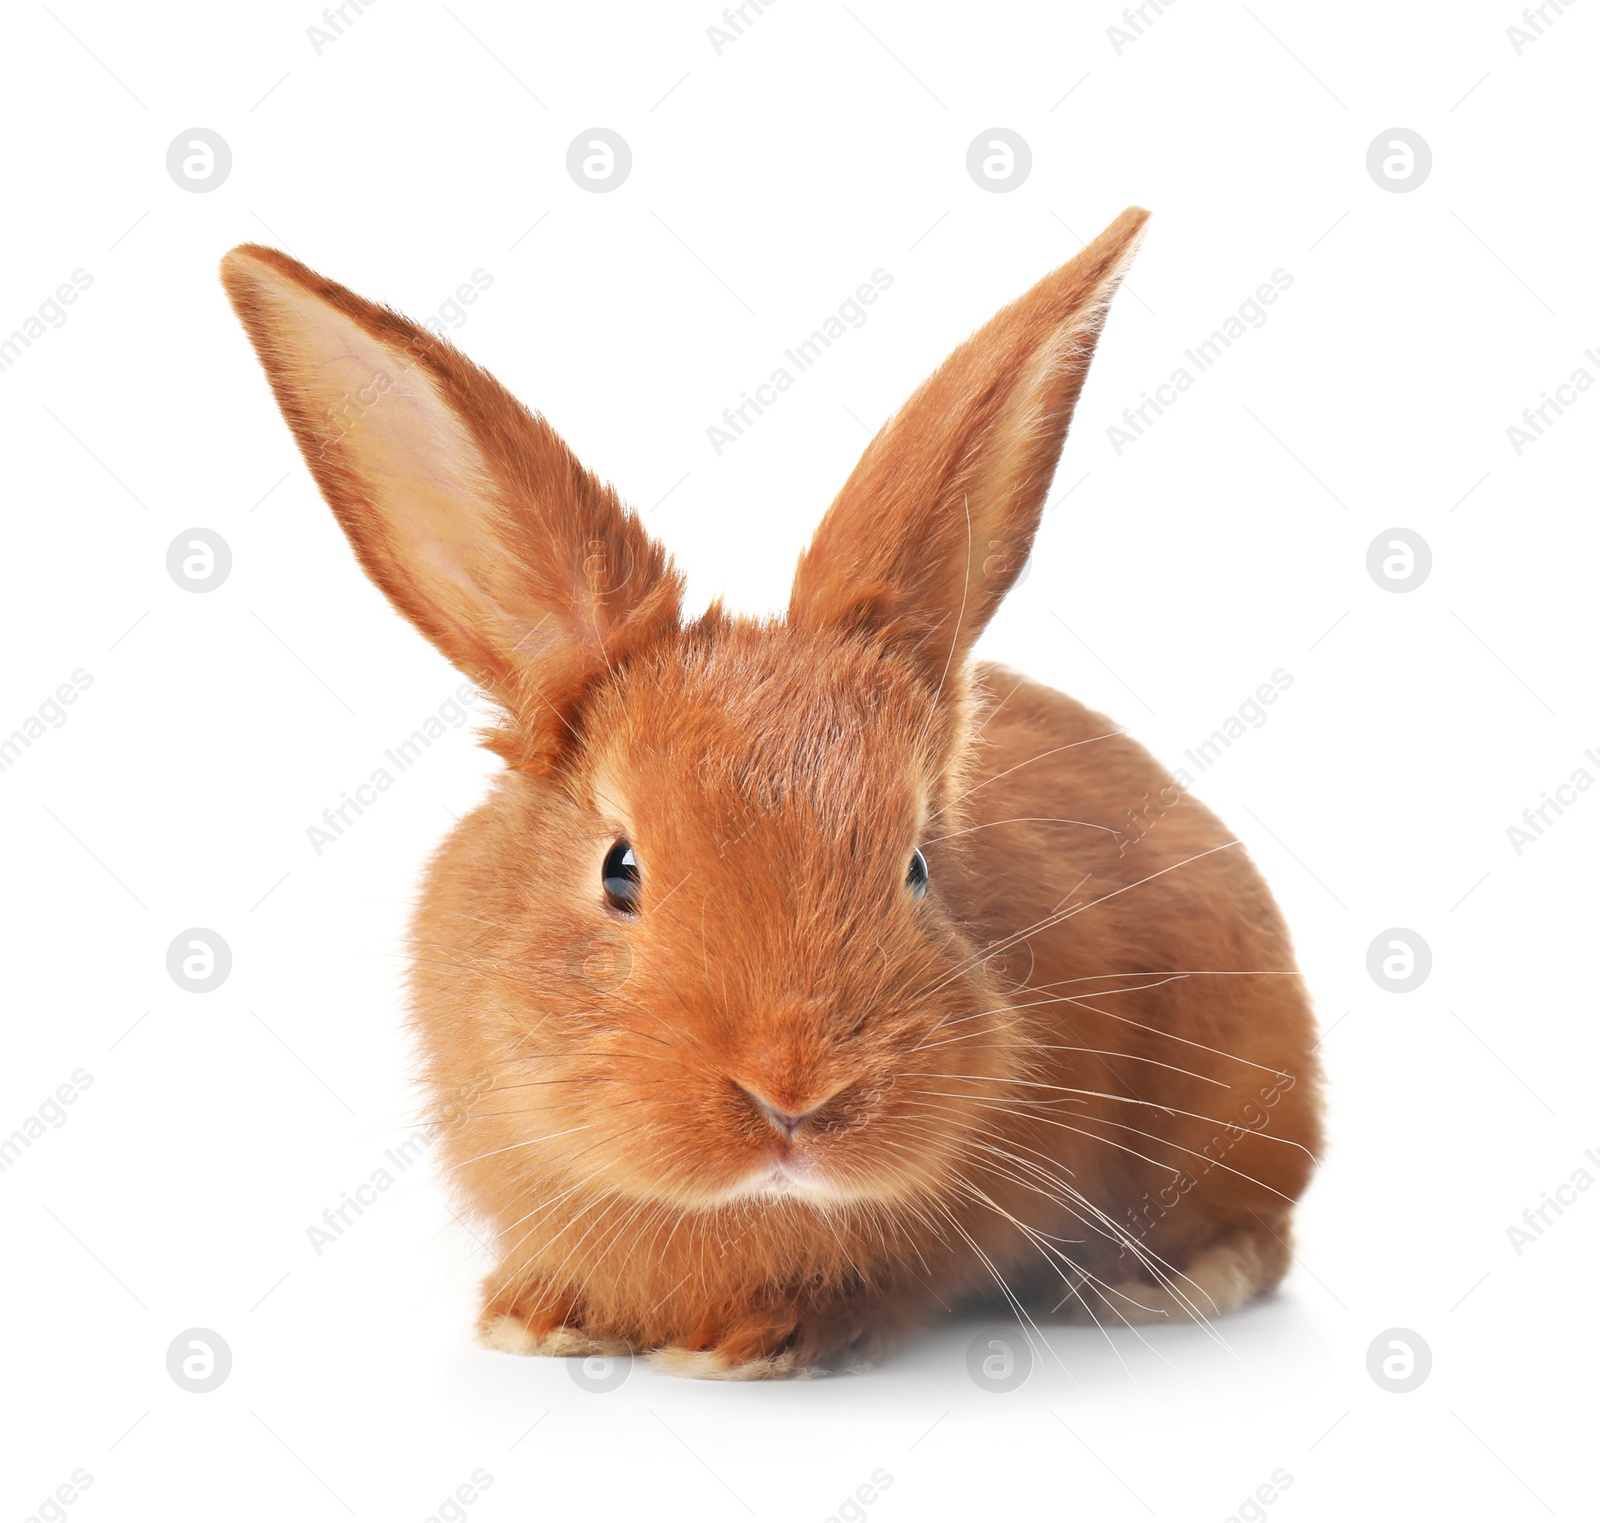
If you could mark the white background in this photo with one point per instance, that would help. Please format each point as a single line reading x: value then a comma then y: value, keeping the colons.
x: 1231, y: 540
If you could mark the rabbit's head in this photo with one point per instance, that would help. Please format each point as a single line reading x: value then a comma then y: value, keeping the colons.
x: 703, y: 937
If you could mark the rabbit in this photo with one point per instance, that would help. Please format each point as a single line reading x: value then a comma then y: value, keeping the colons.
x: 801, y: 980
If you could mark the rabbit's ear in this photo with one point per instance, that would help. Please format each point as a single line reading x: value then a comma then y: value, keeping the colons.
x: 465, y: 508
x: 936, y: 520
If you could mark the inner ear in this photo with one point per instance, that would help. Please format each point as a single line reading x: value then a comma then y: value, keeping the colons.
x: 933, y: 526
x: 421, y: 499
x: 465, y: 508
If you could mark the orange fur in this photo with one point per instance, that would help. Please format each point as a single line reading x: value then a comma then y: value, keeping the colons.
x: 1081, y: 1066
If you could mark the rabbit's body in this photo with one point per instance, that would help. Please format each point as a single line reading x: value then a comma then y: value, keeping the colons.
x: 1174, y: 955
x: 1133, y: 1179
x: 799, y: 979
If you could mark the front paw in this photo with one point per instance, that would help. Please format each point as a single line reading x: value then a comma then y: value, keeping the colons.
x: 770, y: 1337
x: 777, y: 1343
x: 723, y: 1364
x: 526, y: 1320
x: 511, y: 1335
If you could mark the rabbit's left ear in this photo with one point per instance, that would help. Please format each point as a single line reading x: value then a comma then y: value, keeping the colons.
x: 465, y: 508
x: 935, y: 522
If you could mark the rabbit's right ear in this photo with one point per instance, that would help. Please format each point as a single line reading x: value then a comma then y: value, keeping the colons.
x: 466, y: 509
x: 935, y: 522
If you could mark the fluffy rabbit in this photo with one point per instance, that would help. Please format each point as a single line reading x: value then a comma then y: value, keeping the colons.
x: 799, y: 978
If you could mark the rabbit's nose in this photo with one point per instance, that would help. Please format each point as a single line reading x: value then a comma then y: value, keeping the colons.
x: 785, y: 1122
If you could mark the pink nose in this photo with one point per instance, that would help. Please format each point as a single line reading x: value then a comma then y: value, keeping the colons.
x: 785, y: 1122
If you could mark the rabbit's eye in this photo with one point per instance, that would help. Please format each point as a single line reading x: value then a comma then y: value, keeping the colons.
x: 619, y: 877
x: 917, y: 875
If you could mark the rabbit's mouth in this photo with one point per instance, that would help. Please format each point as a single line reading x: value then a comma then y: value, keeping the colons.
x: 788, y: 1175
x: 781, y: 1181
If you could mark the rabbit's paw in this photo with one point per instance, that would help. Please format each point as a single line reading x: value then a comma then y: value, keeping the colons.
x: 772, y: 1343
x: 721, y: 1364
x: 511, y: 1335
x: 528, y: 1325
x: 1228, y: 1274
x: 760, y: 1344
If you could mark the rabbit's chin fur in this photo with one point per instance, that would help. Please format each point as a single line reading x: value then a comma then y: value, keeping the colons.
x: 785, y: 1095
